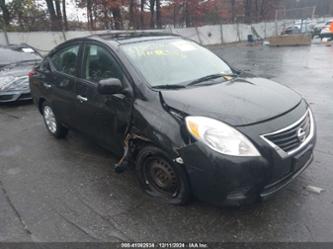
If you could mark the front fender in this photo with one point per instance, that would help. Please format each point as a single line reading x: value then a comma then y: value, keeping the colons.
x: 154, y: 123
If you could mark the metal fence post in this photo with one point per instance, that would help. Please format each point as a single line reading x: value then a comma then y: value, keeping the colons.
x: 221, y: 30
x: 276, y: 23
x: 64, y: 34
x: 198, y: 34
x: 238, y: 31
x: 6, y: 36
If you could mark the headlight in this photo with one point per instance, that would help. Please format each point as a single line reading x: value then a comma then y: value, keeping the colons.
x: 13, y: 84
x: 220, y: 137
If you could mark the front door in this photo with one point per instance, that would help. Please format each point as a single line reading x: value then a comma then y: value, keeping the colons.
x: 102, y: 117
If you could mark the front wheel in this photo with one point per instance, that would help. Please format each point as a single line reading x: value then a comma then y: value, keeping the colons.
x: 161, y: 178
x: 51, y: 122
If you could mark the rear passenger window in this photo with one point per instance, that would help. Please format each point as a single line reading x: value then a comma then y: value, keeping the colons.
x: 65, y: 60
x: 100, y: 64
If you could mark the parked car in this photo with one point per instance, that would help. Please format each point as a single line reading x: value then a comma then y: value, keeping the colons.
x: 305, y: 25
x: 291, y: 30
x: 327, y: 32
x: 191, y: 124
x: 318, y: 28
x: 16, y: 61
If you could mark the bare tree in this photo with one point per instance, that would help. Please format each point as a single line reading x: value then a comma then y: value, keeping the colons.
x: 152, y: 13
x: 131, y: 13
x: 118, y: 24
x: 248, y: 11
x: 64, y: 14
x: 158, y: 14
x: 53, y: 16
x: 142, y: 9
x: 59, y: 14
x: 5, y: 12
x: 90, y: 15
x: 233, y: 10
x: 187, y: 13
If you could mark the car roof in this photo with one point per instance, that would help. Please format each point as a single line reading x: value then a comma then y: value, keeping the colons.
x: 133, y: 36
x: 118, y: 38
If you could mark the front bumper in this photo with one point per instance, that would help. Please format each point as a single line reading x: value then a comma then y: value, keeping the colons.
x: 13, y: 96
x: 228, y: 180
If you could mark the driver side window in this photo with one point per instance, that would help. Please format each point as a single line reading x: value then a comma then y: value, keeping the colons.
x: 100, y: 65
x: 65, y: 60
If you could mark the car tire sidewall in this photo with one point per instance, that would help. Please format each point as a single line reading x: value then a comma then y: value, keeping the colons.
x: 183, y: 195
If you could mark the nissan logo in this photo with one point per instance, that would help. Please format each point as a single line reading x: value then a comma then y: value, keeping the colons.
x: 301, y: 134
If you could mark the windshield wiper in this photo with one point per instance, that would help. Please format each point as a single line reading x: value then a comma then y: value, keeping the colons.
x: 197, y: 81
x: 169, y: 87
x: 210, y: 77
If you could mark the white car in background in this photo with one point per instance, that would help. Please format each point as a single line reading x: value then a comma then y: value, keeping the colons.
x: 326, y: 32
x: 318, y: 28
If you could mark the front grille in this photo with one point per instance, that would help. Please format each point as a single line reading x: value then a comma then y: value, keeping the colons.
x: 25, y: 96
x: 292, y: 137
x: 6, y: 97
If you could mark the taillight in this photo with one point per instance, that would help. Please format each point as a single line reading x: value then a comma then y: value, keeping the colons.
x: 31, y: 73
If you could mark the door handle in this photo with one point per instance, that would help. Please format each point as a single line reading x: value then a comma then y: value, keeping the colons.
x: 81, y: 98
x: 47, y: 85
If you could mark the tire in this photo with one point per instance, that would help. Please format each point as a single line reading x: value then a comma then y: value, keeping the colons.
x: 161, y: 178
x: 51, y: 122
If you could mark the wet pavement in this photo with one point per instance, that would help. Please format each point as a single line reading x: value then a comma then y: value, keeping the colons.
x: 66, y: 190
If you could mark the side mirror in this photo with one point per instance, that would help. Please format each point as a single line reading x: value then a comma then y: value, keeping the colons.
x: 110, y: 86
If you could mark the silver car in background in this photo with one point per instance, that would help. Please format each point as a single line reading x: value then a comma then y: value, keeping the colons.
x: 16, y: 61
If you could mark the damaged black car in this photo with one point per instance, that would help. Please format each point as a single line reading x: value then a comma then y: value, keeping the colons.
x: 189, y: 123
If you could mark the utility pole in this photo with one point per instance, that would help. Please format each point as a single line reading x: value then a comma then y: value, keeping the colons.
x: 314, y: 12
x: 276, y: 23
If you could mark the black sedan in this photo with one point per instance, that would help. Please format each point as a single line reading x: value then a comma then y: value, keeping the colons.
x: 189, y: 123
x: 16, y: 61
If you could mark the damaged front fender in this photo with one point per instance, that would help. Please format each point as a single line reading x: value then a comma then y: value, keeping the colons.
x: 156, y: 125
x: 222, y: 179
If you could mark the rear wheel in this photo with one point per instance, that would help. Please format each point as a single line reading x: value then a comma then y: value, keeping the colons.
x: 161, y: 178
x: 51, y: 122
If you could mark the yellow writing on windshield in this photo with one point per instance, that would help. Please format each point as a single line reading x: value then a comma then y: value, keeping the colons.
x: 158, y: 52
x: 163, y: 52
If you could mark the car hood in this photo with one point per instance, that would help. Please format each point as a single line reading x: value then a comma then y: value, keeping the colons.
x: 242, y: 101
x: 8, y: 56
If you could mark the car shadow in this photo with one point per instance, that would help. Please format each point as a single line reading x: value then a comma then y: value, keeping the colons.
x: 16, y: 104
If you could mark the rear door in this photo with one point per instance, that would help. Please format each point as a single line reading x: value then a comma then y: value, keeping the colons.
x: 102, y: 117
x: 61, y: 82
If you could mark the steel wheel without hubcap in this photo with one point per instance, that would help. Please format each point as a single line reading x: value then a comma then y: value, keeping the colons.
x: 50, y: 119
x: 161, y: 176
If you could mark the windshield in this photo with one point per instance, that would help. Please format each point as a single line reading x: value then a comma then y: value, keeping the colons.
x: 173, y: 61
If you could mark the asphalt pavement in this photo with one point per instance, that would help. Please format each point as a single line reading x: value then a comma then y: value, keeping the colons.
x: 66, y: 190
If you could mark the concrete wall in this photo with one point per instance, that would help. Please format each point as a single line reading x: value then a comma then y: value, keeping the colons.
x: 206, y: 35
